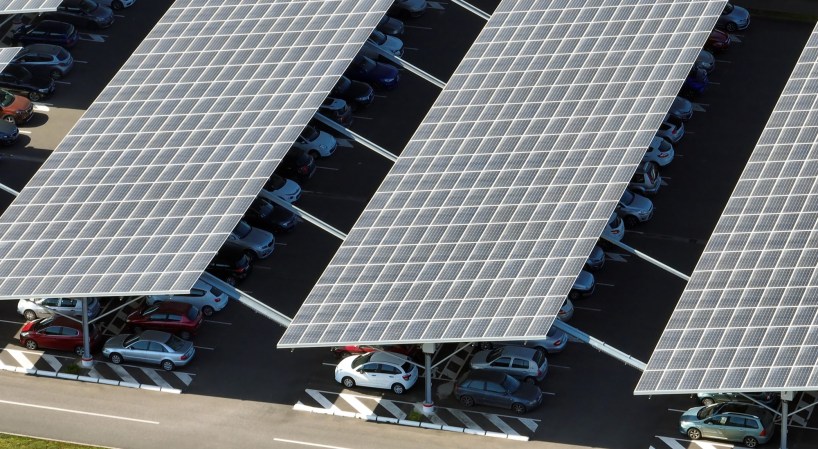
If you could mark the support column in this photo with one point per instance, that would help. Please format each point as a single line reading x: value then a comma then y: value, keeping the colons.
x: 87, y: 359
x: 786, y: 397
x: 428, y: 352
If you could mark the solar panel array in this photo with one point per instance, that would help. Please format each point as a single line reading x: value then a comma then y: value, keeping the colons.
x: 487, y: 217
x: 748, y: 318
x: 6, y: 55
x: 25, y: 6
x: 145, y: 188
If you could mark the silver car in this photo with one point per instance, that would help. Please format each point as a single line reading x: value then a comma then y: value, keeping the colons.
x: 566, y: 311
x: 278, y: 187
x: 44, y: 60
x: 733, y: 18
x: 646, y: 180
x: 583, y: 285
x: 615, y: 229
x: 634, y: 209
x: 555, y: 341
x: 156, y: 347
x: 660, y: 152
x: 522, y: 363
x: 671, y: 129
x: 256, y: 242
x: 681, y: 108
x: 35, y: 308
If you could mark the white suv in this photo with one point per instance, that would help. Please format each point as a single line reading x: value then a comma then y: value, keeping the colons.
x: 203, y: 295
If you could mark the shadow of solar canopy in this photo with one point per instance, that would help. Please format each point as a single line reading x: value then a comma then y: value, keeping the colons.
x: 748, y: 319
x: 491, y: 210
x: 146, y: 187
x: 26, y: 6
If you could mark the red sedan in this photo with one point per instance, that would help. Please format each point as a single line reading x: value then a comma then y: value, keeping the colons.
x: 177, y: 318
x: 718, y: 40
x: 57, y: 332
x: 413, y: 351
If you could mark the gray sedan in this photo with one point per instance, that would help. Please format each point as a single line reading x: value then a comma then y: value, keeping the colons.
x: 498, y: 389
x: 160, y: 348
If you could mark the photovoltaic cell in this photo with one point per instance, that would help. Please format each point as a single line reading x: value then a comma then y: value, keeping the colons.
x: 146, y: 187
x: 6, y: 55
x: 748, y: 319
x: 490, y: 212
x: 26, y: 6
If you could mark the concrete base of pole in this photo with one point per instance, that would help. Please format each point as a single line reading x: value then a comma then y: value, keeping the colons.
x: 87, y: 363
x: 428, y: 408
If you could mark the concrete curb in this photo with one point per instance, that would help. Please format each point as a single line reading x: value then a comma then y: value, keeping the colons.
x: 88, y: 379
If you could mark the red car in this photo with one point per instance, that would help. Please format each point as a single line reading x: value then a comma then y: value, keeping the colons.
x: 718, y: 40
x: 413, y: 351
x: 177, y: 318
x: 57, y: 332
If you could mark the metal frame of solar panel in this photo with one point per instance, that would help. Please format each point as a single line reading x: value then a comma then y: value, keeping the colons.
x: 27, y: 6
x: 146, y: 187
x: 6, y: 55
x: 490, y: 212
x: 748, y: 319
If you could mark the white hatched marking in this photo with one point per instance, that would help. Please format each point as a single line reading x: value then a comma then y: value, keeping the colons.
x: 123, y: 373
x: 185, y: 378
x: 467, y: 422
x: 322, y: 401
x: 392, y: 408
x: 356, y: 404
x: 41, y: 108
x: 156, y: 378
x: 52, y: 361
x: 530, y: 423
x: 433, y: 418
x: 21, y: 359
x: 706, y: 445
x: 672, y: 442
x: 501, y: 424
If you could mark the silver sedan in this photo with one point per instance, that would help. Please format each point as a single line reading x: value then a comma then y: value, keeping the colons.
x: 160, y: 348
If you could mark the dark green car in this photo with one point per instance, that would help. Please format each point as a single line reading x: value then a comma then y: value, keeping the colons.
x: 732, y: 421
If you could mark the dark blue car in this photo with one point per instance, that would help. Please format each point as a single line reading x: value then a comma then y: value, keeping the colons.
x: 379, y: 75
x: 8, y: 132
x: 695, y: 83
x: 47, y: 32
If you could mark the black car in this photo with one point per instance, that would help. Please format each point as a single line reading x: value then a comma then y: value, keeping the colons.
x: 356, y: 93
x: 8, y: 132
x: 297, y: 164
x: 230, y: 264
x: 769, y: 399
x: 47, y: 32
x: 82, y: 13
x: 19, y: 81
x: 270, y: 217
x: 390, y: 26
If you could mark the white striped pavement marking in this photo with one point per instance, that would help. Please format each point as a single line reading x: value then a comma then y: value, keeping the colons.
x: 432, y: 417
x: 21, y: 359
x: 123, y: 373
x: 392, y: 408
x: 322, y: 401
x: 94, y: 373
x: 184, y: 377
x: 52, y: 361
x: 530, y: 423
x: 706, y: 445
x: 467, y: 422
x: 672, y: 442
x: 502, y: 425
x: 356, y: 404
x: 156, y: 378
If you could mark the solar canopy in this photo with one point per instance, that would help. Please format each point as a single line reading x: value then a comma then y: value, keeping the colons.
x: 6, y: 55
x: 490, y: 212
x: 147, y: 185
x: 26, y: 6
x: 748, y: 319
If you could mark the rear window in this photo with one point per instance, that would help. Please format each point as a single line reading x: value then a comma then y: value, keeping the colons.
x: 539, y: 357
x: 406, y: 367
x: 175, y: 342
x: 192, y: 313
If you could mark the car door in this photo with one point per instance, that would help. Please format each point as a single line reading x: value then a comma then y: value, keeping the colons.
x: 51, y: 337
x: 736, y: 428
x: 70, y: 307
x: 367, y: 375
x: 49, y: 305
x: 496, y: 395
x: 137, y: 351
x: 157, y: 321
x: 389, y: 375
x: 714, y: 426
x: 502, y: 364
x: 69, y: 338
x: 156, y: 352
x: 521, y: 368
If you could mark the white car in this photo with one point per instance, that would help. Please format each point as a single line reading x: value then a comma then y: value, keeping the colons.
x: 206, y: 297
x: 387, y: 44
x: 316, y: 143
x: 615, y: 229
x: 117, y: 5
x: 379, y: 369
x: 256, y: 242
x: 566, y: 311
x: 34, y: 308
x: 283, y: 188
x: 660, y: 152
x: 634, y: 208
x: 671, y: 129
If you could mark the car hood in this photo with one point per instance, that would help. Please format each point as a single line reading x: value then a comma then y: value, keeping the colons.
x: 390, y: 25
x: 258, y: 237
x: 281, y: 215
x: 718, y: 35
x: 325, y: 140
x: 597, y: 253
x: 116, y: 342
x: 641, y: 203
x: 20, y: 103
x: 681, y: 106
x: 585, y: 280
x: 102, y: 13
x: 738, y: 14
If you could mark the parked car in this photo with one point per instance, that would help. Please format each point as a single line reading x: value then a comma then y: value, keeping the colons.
x: 336, y: 109
x: 14, y: 108
x: 58, y: 332
x: 156, y: 347
x: 634, y: 208
x: 497, y: 389
x: 257, y: 243
x: 695, y: 83
x: 316, y: 143
x: 583, y: 285
x: 47, y: 32
x: 732, y: 421
x: 179, y: 318
x: 270, y: 217
x: 566, y: 311
x: 52, y: 61
x: 297, y: 164
x: 8, y: 132
x: 717, y: 41
x: 672, y: 129
x: 386, y: 370
x: 646, y: 180
x: 230, y: 264
x: 733, y: 18
x: 82, y: 13
x: 117, y: 5
x: 408, y: 8
x: 19, y: 81
x: 681, y: 108
x: 660, y: 152
x: 387, y: 44
x: 596, y: 260
x: 554, y: 342
x: 768, y: 399
x: 376, y: 74
x: 614, y: 229
x: 34, y: 308
x: 706, y: 61
x: 390, y: 26
x: 279, y: 187
x: 411, y: 351
x: 356, y: 93
x: 203, y: 296
x: 521, y: 363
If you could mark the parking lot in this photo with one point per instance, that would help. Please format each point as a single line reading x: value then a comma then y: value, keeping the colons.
x: 236, y: 356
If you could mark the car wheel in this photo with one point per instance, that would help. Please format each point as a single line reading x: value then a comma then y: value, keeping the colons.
x: 116, y: 359
x: 398, y: 389
x: 167, y: 365
x: 518, y: 408
x: 631, y: 221
x: 708, y: 401
x: 31, y: 344
x: 117, y: 5
x: 467, y: 401
x: 732, y: 27
x: 694, y: 433
x: 9, y: 118
x: 56, y: 74
x: 79, y: 350
x: 30, y: 315
x: 185, y: 335
x: 208, y: 311
x: 530, y: 380
x: 750, y: 442
x: 348, y: 382
x: 35, y: 96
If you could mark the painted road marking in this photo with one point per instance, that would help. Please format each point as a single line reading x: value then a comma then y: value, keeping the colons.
x: 156, y: 378
x: 12, y: 322
x: 78, y: 412
x: 21, y: 359
x: 392, y: 408
x: 52, y: 362
x: 304, y: 443
x: 123, y: 373
x: 501, y: 425
x: 321, y: 400
x: 356, y: 404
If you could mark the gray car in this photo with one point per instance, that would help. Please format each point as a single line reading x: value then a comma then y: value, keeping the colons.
x: 554, y: 342
x: 155, y: 347
x: 497, y: 389
x: 681, y: 108
x: 634, y: 208
x: 596, y: 260
x: 646, y: 180
x: 706, y: 61
x: 35, y: 308
x: 583, y: 285
x: 256, y: 242
x: 521, y: 363
x: 732, y: 421
x: 44, y: 60
x: 733, y: 18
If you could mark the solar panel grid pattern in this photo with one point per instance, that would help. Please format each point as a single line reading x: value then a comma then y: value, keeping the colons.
x: 145, y: 188
x: 490, y: 212
x: 6, y: 55
x: 25, y: 6
x: 748, y: 318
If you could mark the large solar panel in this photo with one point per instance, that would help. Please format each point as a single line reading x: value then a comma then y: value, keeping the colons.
x: 147, y: 185
x: 487, y: 217
x: 26, y: 6
x: 748, y: 318
x: 6, y: 55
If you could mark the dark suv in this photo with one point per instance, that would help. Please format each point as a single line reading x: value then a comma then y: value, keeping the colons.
x: 19, y: 81
x: 297, y: 164
x: 230, y: 264
x: 47, y: 32
x: 82, y: 13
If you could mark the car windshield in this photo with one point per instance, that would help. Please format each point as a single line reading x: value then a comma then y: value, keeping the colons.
x: 495, y: 354
x: 242, y: 230
x: 176, y: 343
x: 728, y: 8
x: 706, y: 412
x: 627, y: 198
x: 131, y: 340
x: 511, y: 384
x: 309, y: 134
x: 360, y: 360
x: 276, y: 182
x: 343, y: 84
x: 88, y: 6
x: 367, y: 64
x: 378, y: 37
x: 192, y: 313
x: 7, y: 99
x: 45, y: 322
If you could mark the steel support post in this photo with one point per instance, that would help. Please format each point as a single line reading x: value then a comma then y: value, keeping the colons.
x: 87, y: 359
x: 645, y: 257
x: 786, y: 397
x: 428, y: 352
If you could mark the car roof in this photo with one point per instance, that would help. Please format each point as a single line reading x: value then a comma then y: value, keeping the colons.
x: 388, y: 357
x: 152, y: 335
x: 42, y: 48
x: 171, y: 306
x: 519, y: 351
x: 60, y: 320
x: 485, y: 374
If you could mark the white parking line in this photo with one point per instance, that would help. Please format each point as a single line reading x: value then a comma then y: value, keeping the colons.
x: 501, y: 425
x: 356, y: 404
x: 220, y: 322
x: 723, y: 61
x: 204, y: 347
x: 417, y: 27
x: 605, y: 285
x: 715, y: 83
x: 358, y: 117
x: 13, y: 322
x: 676, y: 410
x: 411, y: 48
x: 62, y: 82
x: 329, y: 364
x: 327, y: 168
x: 304, y: 443
x: 41, y: 107
x: 21, y: 359
x: 121, y: 372
x: 78, y: 412
x: 24, y: 132
x: 588, y: 308
x: 551, y: 365
x: 381, y: 96
x: 80, y: 62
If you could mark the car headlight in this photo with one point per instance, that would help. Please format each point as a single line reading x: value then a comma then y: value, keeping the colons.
x: 24, y: 334
x: 388, y: 80
x: 322, y: 146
